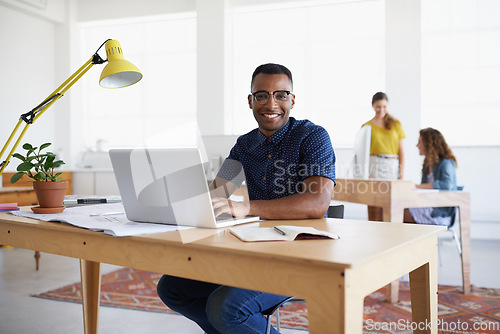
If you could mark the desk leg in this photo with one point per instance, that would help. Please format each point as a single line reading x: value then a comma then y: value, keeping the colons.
x: 392, y: 293
x: 424, y: 298
x: 91, y: 287
x: 37, y: 259
x: 338, y: 310
x: 353, y: 311
x: 465, y: 241
x: 395, y: 215
x: 324, y: 316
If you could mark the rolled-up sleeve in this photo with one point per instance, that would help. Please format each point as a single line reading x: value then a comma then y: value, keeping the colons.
x: 445, y: 178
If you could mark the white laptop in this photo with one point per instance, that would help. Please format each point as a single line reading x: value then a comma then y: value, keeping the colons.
x: 167, y: 186
x: 360, y: 165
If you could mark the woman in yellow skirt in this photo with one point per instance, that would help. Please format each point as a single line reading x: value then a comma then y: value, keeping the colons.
x: 386, y: 149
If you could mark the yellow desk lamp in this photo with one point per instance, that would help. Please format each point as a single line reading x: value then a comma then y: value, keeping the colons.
x: 116, y: 74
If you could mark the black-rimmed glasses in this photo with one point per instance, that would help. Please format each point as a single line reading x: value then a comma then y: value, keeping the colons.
x: 262, y: 96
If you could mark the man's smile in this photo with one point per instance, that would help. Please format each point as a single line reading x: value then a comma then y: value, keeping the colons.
x: 270, y: 115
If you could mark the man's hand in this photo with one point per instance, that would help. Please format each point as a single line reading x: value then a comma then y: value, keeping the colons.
x: 236, y: 209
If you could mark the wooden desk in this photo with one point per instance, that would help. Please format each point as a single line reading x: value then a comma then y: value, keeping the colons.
x: 333, y: 276
x: 23, y: 194
x: 395, y: 196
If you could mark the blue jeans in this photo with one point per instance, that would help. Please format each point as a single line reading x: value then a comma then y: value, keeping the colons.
x: 217, y: 308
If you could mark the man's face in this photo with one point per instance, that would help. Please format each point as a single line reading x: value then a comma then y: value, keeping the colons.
x: 273, y: 115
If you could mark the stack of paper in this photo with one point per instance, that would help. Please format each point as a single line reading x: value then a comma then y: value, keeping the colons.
x: 108, y: 218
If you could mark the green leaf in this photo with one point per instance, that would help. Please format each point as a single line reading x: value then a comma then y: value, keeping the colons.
x: 50, y: 159
x: 44, y: 146
x: 16, y: 177
x: 58, y: 163
x: 19, y: 156
x: 28, y: 147
x: 24, y: 166
x: 38, y: 165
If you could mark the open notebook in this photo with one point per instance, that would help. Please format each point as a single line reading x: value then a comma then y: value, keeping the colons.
x: 280, y: 233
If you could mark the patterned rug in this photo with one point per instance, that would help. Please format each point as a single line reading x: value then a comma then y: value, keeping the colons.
x: 478, y: 312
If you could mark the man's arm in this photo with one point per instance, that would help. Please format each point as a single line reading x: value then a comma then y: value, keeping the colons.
x: 312, y: 202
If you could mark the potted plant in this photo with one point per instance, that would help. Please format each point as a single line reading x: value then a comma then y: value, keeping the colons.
x: 48, y: 184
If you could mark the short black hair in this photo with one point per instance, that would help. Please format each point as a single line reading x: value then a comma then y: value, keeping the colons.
x: 271, y: 68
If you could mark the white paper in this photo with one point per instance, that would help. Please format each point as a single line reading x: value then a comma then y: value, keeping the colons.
x: 95, y: 218
x: 424, y: 191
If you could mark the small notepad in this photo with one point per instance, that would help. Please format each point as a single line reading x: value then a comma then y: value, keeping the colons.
x: 291, y: 233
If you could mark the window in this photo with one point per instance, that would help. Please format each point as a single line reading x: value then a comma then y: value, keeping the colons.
x: 334, y: 50
x: 461, y: 69
x: 161, y: 109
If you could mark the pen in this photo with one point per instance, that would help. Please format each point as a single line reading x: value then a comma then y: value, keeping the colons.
x: 279, y: 231
x: 106, y: 214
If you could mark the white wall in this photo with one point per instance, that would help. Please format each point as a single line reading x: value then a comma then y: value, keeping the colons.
x: 98, y: 10
x: 27, y: 67
x: 68, y: 123
x: 478, y: 172
x: 52, y: 10
x: 403, y: 72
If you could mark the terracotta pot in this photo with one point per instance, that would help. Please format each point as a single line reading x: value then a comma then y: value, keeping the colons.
x: 50, y: 195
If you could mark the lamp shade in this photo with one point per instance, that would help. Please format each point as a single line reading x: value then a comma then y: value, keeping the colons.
x: 118, y: 72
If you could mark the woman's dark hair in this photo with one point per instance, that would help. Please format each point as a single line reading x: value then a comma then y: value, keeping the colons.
x: 271, y: 68
x: 389, y: 120
x: 436, y: 148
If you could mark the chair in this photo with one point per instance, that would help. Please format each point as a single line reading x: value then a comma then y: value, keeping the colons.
x: 453, y: 233
x: 276, y: 310
x: 334, y: 211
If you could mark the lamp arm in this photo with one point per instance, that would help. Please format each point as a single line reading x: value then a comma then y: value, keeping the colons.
x: 28, y: 117
x: 31, y: 116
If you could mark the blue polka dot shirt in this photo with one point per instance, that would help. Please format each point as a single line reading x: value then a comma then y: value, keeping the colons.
x: 275, y: 167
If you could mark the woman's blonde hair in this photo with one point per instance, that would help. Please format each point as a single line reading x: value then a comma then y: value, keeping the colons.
x: 436, y: 148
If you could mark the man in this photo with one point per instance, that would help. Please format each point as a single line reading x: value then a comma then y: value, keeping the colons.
x: 289, y: 167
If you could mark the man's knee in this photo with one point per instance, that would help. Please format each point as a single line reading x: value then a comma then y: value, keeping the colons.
x: 166, y: 289
x: 220, y: 309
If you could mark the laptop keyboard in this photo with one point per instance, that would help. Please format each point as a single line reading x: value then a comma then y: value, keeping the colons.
x: 224, y: 216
